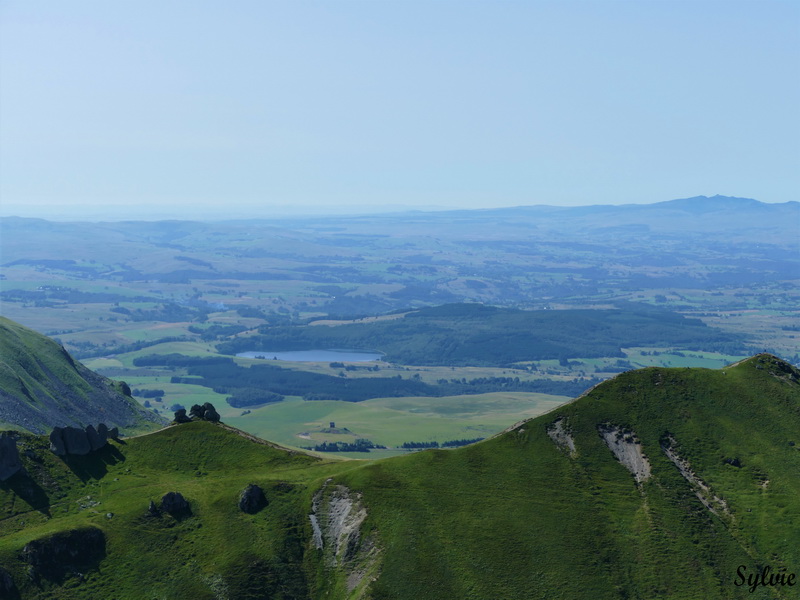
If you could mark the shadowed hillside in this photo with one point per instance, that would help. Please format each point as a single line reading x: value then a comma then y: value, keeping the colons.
x: 42, y: 386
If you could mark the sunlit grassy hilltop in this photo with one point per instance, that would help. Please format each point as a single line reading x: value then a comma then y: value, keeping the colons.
x: 544, y: 510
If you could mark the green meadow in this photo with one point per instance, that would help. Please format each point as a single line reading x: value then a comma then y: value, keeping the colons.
x: 515, y: 516
x: 391, y: 421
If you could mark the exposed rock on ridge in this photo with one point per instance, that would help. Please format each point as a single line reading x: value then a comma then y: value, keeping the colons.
x: 63, y: 553
x: 336, y: 518
x: 561, y: 437
x: 703, y: 492
x: 627, y: 449
x: 73, y: 440
x: 206, y: 412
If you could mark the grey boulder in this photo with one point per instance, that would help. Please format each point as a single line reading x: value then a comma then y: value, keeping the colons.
x: 57, y: 441
x: 175, y: 504
x: 76, y: 441
x: 96, y: 441
x: 252, y: 499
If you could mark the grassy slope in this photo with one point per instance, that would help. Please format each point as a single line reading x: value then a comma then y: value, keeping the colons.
x: 155, y: 558
x: 516, y: 517
x: 392, y: 421
x: 42, y: 386
x: 511, y: 517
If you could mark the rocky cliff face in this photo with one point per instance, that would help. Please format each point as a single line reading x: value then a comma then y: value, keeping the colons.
x: 74, y: 440
x: 336, y: 518
x: 65, y: 553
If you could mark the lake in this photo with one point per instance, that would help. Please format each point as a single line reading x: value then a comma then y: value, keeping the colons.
x: 315, y: 355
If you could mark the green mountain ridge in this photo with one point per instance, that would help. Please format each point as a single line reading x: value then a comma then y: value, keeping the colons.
x: 659, y: 483
x: 42, y: 386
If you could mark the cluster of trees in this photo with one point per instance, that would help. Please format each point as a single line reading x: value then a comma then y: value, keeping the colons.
x: 250, y: 397
x: 170, y: 312
x: 457, y: 443
x: 262, y: 383
x: 216, y: 332
x: 419, y: 445
x: 180, y: 360
x: 148, y: 393
x: 341, y: 365
x: 478, y: 335
x: 447, y: 444
x: 286, y: 382
x: 89, y: 350
x: 70, y: 296
x: 359, y: 445
x: 483, y: 385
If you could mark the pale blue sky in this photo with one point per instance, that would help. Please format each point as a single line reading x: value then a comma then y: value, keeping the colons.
x: 148, y: 109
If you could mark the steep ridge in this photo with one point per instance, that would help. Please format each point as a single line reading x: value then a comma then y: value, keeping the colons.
x: 42, y: 386
x: 560, y: 506
x: 526, y: 515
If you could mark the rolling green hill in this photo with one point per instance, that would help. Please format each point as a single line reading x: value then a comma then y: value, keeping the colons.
x: 660, y: 483
x: 42, y: 386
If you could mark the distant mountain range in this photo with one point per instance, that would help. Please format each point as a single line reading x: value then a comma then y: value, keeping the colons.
x: 702, y: 219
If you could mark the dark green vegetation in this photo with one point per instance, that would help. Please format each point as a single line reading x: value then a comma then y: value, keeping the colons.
x: 41, y: 386
x: 260, y: 384
x: 479, y: 335
x: 544, y: 510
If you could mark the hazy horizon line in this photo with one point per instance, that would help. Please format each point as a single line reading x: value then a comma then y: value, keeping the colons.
x: 284, y: 212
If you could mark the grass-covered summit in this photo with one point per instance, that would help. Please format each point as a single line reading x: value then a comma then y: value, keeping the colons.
x: 660, y: 483
x: 42, y: 386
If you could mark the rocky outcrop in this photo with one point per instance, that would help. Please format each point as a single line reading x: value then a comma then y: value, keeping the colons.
x: 336, y: 517
x: 175, y: 504
x: 9, y: 457
x: 113, y: 433
x: 711, y: 501
x: 57, y: 441
x: 252, y: 499
x: 96, y: 439
x: 76, y: 441
x: 210, y: 414
x: 206, y: 412
x: 561, y: 437
x: 627, y: 449
x: 65, y: 553
x: 180, y: 416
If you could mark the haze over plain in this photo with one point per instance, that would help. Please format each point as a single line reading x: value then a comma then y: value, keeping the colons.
x: 197, y: 110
